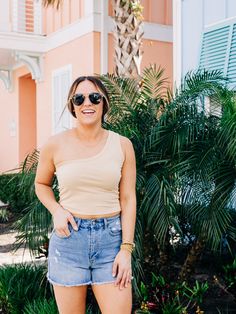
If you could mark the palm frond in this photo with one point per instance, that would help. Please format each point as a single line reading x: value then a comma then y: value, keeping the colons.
x: 55, y: 3
x: 153, y: 84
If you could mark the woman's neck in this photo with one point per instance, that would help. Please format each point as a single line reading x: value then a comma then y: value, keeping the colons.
x: 89, y: 134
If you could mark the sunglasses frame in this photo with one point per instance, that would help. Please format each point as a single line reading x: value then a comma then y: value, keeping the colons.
x: 84, y: 96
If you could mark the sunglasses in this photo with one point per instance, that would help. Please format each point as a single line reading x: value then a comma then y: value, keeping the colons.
x: 78, y: 99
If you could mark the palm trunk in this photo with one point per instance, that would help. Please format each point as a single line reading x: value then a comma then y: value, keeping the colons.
x: 192, y: 258
x: 128, y: 34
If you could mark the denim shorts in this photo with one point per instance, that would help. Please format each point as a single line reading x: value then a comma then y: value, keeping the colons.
x: 85, y: 256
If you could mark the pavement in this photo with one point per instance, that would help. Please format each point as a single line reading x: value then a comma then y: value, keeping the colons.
x: 7, y: 255
x: 7, y: 238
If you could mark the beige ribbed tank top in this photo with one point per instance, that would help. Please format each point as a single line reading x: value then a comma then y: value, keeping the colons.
x: 90, y: 186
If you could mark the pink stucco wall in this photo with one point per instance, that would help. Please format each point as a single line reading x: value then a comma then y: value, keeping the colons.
x: 155, y: 11
x: 9, y: 114
x: 68, y: 12
x: 27, y: 116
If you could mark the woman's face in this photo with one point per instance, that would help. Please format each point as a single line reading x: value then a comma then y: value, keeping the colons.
x: 88, y: 113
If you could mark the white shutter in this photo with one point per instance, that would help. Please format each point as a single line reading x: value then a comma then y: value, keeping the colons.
x: 61, y: 81
x: 218, y: 49
x: 231, y: 71
x: 214, y: 49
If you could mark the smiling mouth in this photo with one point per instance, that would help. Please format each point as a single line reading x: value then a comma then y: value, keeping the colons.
x: 89, y: 112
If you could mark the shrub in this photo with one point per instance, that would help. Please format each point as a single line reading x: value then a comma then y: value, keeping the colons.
x: 41, y: 307
x: 10, y: 192
x: 20, y: 284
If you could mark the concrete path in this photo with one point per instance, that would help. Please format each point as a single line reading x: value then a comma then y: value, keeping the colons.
x: 7, y: 256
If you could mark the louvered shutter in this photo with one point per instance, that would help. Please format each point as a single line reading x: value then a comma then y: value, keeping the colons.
x: 218, y: 50
x: 214, y: 49
x: 231, y: 71
x: 61, y: 82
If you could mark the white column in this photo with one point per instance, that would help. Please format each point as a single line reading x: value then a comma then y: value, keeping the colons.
x: 38, y: 17
x: 177, y: 43
x: 4, y: 15
x: 88, y: 7
x: 104, y: 37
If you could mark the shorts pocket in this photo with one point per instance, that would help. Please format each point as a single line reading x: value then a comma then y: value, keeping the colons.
x: 114, y: 227
x: 64, y: 237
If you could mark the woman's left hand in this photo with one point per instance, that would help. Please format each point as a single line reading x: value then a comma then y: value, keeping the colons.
x: 122, y: 269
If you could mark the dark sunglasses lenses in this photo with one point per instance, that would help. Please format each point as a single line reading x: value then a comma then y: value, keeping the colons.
x: 78, y: 99
x: 95, y: 98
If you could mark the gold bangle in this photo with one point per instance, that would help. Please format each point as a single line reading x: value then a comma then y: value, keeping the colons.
x: 127, y: 246
x: 129, y: 243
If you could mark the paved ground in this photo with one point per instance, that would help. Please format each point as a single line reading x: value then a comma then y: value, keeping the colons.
x: 7, y: 255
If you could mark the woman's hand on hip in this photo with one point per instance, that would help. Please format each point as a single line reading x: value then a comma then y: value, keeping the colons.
x: 61, y: 217
x: 122, y: 269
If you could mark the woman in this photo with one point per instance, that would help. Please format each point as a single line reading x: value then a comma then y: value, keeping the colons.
x: 94, y: 220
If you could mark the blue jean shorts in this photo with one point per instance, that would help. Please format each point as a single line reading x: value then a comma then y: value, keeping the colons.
x: 85, y: 256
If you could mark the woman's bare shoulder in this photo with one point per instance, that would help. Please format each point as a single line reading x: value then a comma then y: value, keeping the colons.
x: 125, y: 141
x: 126, y: 144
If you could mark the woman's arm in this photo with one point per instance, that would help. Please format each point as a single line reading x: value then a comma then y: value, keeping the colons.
x: 128, y: 192
x: 128, y: 213
x: 43, y: 189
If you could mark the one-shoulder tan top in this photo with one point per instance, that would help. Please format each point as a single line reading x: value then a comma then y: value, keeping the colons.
x: 90, y: 186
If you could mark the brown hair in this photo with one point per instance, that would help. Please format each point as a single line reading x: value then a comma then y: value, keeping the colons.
x: 98, y: 83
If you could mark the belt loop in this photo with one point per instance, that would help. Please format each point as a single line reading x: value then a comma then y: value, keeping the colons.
x: 105, y: 223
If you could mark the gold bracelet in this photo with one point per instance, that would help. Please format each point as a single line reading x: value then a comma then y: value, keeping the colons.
x: 127, y: 246
x: 129, y: 243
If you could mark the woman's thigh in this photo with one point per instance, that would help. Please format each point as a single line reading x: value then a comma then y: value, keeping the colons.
x: 70, y: 300
x: 113, y: 300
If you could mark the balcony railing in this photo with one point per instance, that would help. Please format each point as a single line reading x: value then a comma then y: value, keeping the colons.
x: 27, y: 16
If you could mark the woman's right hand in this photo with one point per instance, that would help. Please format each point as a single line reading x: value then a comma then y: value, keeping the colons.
x: 61, y: 217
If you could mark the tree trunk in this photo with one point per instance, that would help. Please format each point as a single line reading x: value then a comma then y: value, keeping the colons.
x: 192, y: 258
x: 128, y: 34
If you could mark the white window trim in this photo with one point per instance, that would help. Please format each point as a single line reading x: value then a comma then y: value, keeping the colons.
x: 54, y: 74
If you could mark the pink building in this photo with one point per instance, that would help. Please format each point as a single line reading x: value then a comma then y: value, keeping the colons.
x: 42, y: 50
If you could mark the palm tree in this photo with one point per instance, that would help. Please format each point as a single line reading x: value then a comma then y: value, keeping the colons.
x: 194, y: 181
x: 128, y: 35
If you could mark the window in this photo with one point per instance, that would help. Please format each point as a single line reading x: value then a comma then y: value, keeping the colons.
x: 61, y: 81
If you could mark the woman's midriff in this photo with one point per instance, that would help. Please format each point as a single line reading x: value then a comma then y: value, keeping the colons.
x: 95, y: 216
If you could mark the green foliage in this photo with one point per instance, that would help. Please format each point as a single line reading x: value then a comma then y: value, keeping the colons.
x: 230, y: 275
x: 41, y: 306
x: 172, y: 308
x: 9, y: 192
x: 21, y: 283
x: 35, y: 222
x: 170, y: 298
x: 4, y: 214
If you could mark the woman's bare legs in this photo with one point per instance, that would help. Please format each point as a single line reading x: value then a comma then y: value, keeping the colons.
x: 113, y: 300
x: 71, y: 300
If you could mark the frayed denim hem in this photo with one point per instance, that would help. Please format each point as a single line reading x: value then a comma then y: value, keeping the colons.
x: 65, y: 285
x: 101, y: 283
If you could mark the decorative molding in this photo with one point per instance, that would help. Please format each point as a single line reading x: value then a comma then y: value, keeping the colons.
x: 6, y: 77
x: 33, y: 62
